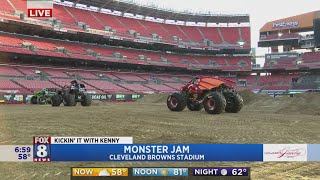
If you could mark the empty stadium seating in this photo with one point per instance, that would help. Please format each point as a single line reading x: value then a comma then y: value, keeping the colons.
x: 280, y: 37
x: 156, y: 28
x: 176, y: 86
x: 69, y: 17
x: 55, y: 72
x: 41, y: 44
x: 133, y: 24
x: 27, y: 71
x: 9, y: 71
x: 79, y: 51
x: 6, y: 7
x: 86, y: 17
x: 35, y: 85
x: 10, y: 41
x: 311, y: 57
x: 20, y: 5
x: 63, y: 15
x: 107, y: 86
x: 160, y: 88
x: 138, y: 88
x: 7, y: 87
x: 111, y: 21
x: 193, y: 33
x: 281, y: 63
x: 230, y: 34
x: 128, y: 77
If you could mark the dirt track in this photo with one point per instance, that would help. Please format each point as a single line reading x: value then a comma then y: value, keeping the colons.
x: 263, y: 120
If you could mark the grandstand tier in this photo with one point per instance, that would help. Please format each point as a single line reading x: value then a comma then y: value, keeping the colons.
x: 63, y: 49
x: 70, y: 17
x: 13, y: 80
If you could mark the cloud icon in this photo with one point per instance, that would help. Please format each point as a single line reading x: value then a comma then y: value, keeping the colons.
x: 104, y: 172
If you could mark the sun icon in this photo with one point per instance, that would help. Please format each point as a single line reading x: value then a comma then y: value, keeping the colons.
x: 164, y: 172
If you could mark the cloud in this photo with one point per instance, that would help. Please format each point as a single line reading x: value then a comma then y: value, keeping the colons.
x: 104, y: 172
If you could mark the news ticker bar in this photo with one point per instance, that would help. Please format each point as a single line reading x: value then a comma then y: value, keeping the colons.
x: 152, y: 171
x: 160, y: 152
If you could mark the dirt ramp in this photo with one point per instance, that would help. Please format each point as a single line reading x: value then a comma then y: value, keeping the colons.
x: 306, y: 103
x: 153, y: 98
x: 249, y: 97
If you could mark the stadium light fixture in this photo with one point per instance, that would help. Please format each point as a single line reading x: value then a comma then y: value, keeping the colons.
x: 241, y: 43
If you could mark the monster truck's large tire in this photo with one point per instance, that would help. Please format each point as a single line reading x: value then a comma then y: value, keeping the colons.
x: 41, y: 100
x: 177, y: 102
x: 214, y: 103
x: 33, y: 100
x: 86, y: 100
x: 56, y: 100
x: 234, y: 102
x: 193, y: 107
x: 69, y: 100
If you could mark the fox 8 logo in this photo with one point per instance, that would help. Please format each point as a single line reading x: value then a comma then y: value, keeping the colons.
x: 42, y: 149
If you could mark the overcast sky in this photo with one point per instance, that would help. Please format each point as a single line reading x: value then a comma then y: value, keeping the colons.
x: 260, y: 11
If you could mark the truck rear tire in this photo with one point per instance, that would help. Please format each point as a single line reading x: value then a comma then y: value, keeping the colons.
x: 176, y: 102
x: 41, y: 100
x: 234, y: 102
x: 33, y: 100
x: 86, y: 100
x: 56, y: 100
x: 214, y: 103
x: 69, y: 100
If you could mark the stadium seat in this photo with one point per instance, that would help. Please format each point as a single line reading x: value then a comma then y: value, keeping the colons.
x: 138, y: 88
x: 212, y: 34
x: 7, y: 87
x: 9, y: 71
x: 56, y: 72
x: 193, y: 33
x: 6, y: 7
x: 107, y: 86
x: 19, y: 5
x: 230, y: 34
x: 10, y: 41
x: 176, y: 86
x: 128, y: 77
x: 133, y: 24
x: 41, y: 44
x: 86, y: 17
x: 35, y: 85
x: 111, y: 21
x: 61, y: 14
x: 160, y: 88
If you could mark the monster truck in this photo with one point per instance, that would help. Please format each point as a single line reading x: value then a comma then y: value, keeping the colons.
x: 71, y: 95
x: 43, y: 96
x: 214, y: 94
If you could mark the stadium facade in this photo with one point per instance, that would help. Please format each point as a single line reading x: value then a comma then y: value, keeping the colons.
x: 116, y: 47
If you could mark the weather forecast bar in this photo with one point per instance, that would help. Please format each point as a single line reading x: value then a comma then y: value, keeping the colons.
x: 159, y: 172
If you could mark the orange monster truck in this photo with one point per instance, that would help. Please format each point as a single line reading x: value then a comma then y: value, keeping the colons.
x: 214, y: 94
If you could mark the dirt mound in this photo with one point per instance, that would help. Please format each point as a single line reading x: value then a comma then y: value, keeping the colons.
x: 306, y: 103
x: 153, y: 98
x: 250, y: 97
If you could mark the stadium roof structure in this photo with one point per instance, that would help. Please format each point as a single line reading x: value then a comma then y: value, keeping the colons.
x: 152, y: 11
x: 299, y: 22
